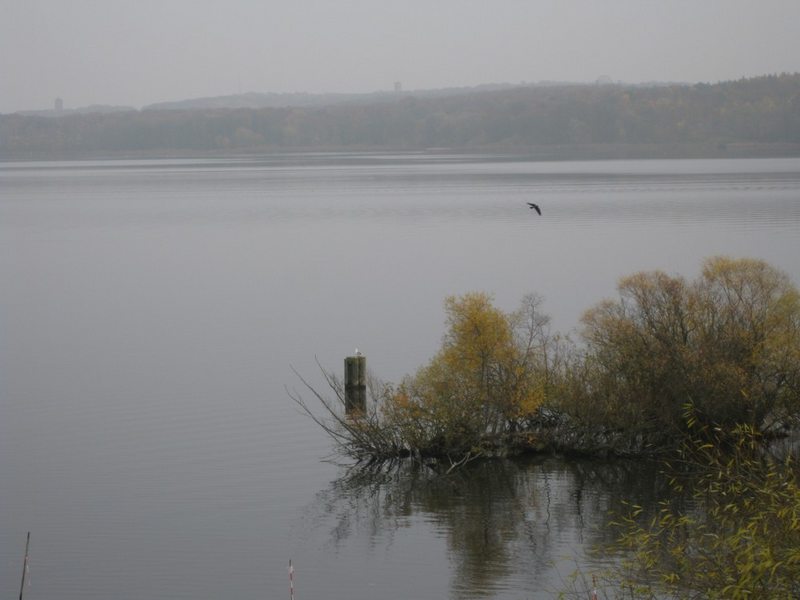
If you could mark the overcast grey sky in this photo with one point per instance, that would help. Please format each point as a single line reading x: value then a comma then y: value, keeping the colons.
x: 136, y: 52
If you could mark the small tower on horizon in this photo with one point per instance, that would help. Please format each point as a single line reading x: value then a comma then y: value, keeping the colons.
x: 58, y: 105
x: 398, y: 87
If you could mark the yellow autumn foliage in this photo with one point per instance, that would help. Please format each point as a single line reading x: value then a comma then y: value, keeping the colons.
x: 490, y: 373
x: 727, y: 343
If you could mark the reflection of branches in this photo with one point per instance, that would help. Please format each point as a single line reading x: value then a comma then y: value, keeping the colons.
x: 496, y: 515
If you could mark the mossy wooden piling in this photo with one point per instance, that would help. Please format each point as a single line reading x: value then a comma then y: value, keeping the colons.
x: 355, y: 384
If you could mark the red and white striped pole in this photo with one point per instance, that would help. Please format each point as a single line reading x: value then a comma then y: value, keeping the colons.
x: 291, y: 580
x: 594, y: 587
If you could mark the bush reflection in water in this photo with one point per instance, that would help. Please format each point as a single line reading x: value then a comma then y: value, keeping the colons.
x: 526, y: 521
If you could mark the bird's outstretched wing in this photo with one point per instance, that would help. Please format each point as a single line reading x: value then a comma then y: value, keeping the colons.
x: 535, y: 207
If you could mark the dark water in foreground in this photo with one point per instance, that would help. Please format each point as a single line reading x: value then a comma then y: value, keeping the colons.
x: 150, y: 312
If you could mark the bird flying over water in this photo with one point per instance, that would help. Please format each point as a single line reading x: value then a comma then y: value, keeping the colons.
x: 535, y: 207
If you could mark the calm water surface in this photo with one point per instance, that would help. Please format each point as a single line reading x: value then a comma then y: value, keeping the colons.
x: 151, y: 312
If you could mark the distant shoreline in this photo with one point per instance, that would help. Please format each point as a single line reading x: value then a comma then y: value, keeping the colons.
x: 749, y: 118
x: 554, y: 152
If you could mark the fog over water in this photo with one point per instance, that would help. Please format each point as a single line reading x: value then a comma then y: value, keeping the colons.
x: 151, y: 313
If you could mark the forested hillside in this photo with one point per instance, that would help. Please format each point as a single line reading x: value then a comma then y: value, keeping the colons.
x: 724, y: 117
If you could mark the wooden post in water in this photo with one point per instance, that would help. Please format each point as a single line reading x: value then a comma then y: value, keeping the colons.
x: 355, y: 384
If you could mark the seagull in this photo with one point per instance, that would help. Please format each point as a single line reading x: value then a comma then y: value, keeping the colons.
x: 357, y: 352
x: 535, y: 207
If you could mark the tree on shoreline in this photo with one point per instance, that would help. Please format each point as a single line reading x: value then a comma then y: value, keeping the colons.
x: 727, y: 344
x: 724, y: 349
x: 490, y: 374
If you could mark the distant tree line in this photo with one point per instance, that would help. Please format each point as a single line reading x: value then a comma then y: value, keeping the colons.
x: 761, y: 110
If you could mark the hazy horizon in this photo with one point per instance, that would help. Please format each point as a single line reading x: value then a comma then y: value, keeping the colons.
x: 119, y: 52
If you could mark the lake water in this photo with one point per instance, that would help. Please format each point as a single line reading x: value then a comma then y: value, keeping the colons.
x: 151, y: 313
